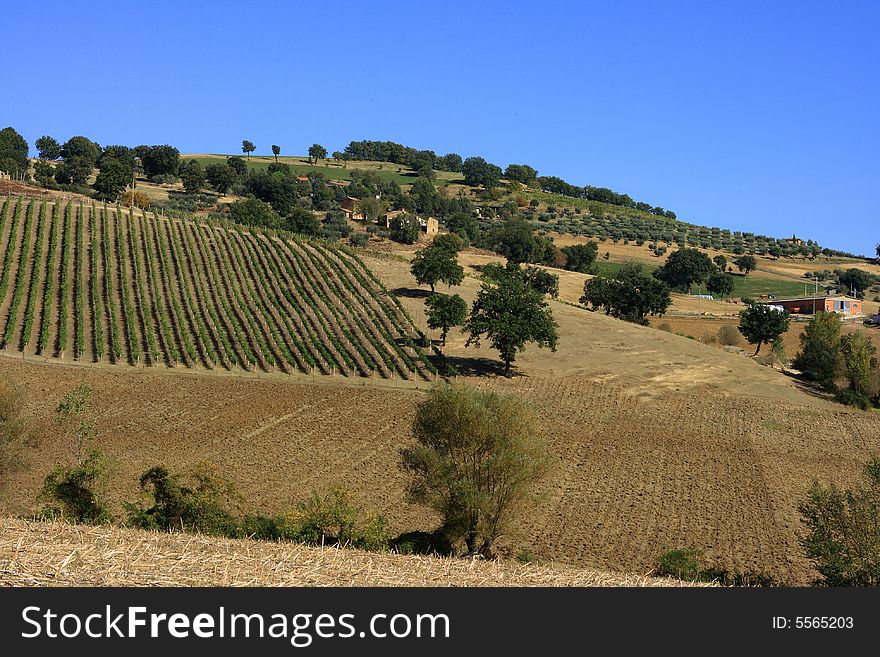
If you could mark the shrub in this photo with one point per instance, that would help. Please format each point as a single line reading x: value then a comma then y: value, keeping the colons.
x: 75, y: 490
x: 683, y: 563
x: 709, y: 338
x: 666, y: 326
x: 842, y: 538
x: 524, y: 556
x: 359, y: 239
x: 729, y: 335
x: 133, y: 197
x: 476, y: 460
x: 335, y: 519
x: 419, y: 542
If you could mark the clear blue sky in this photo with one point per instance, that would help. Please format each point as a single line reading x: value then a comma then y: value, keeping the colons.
x: 759, y: 116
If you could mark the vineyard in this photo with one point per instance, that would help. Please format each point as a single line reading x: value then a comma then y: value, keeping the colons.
x: 103, y: 284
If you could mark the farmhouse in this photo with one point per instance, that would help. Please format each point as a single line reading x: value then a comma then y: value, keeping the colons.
x: 349, y: 206
x: 838, y: 303
x: 794, y: 240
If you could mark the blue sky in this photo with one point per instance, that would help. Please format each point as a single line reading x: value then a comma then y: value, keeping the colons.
x: 758, y: 116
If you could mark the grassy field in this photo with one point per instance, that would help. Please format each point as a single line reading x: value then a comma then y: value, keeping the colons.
x: 385, y: 170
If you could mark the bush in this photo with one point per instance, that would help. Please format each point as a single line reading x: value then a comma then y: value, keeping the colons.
x: 133, y: 197
x: 75, y: 490
x: 729, y: 335
x: 683, y: 563
x: 418, y: 542
x: 359, y: 239
x: 854, y: 398
x: 333, y: 519
x: 666, y: 326
x: 842, y: 538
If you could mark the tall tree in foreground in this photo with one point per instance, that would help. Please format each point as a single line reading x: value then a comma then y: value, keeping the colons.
x: 48, y: 148
x: 746, y: 264
x: 444, y: 312
x: 247, y: 147
x: 842, y: 537
x: 819, y: 359
x: 435, y: 264
x: 476, y: 462
x: 630, y: 295
x: 13, y: 152
x: 684, y: 268
x: 760, y: 324
x: 317, y: 152
x: 276, y: 151
x: 510, y: 314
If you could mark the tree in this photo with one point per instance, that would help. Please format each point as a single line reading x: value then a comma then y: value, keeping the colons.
x: 15, y: 429
x: 81, y: 149
x: 434, y: 264
x: 684, y: 268
x: 238, y: 165
x: 317, y: 152
x: 630, y: 295
x: 760, y: 324
x: 193, y: 176
x: 721, y: 262
x: 842, y: 538
x: 426, y: 199
x: 276, y: 151
x: 859, y: 359
x: 405, y: 228
x: 304, y: 222
x: 247, y: 147
x: 371, y: 207
x: 220, y: 177
x: 161, y: 161
x: 113, y: 177
x: 479, y: 172
x: 720, y: 284
x: 251, y: 211
x: 746, y: 264
x: 521, y: 173
x: 857, y: 280
x: 449, y: 162
x: 878, y: 250
x: 463, y: 224
x: 516, y: 241
x: 444, y: 312
x: 511, y: 314
x: 476, y: 460
x: 13, y: 152
x: 541, y: 280
x: 819, y: 358
x: 580, y: 257
x: 48, y: 148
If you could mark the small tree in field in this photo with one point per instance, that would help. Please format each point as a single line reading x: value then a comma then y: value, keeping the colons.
x: 276, y: 151
x: 475, y: 463
x: 843, y: 538
x: 247, y: 147
x: 317, y: 152
x: 760, y: 324
x: 435, y: 264
x: 444, y: 312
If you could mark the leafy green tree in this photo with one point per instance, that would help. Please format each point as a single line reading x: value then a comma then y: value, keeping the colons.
x: 746, y: 264
x: 81, y: 149
x: 48, y: 148
x: 878, y: 250
x: 161, y: 161
x: 516, y: 241
x: 859, y: 359
x: 220, y: 177
x: 44, y: 174
x: 476, y: 461
x: 444, y: 312
x: 510, y: 314
x: 581, y: 257
x: 13, y: 152
x: 304, y: 222
x: 521, y: 173
x: 434, y: 264
x: 251, y: 211
x: 684, y: 268
x: 113, y: 177
x: 448, y: 241
x: 463, y: 224
x: 72, y: 172
x: 720, y: 284
x: 760, y: 324
x: 276, y: 151
x: 857, y: 280
x: 630, y: 295
x: 426, y: 199
x: 238, y: 165
x: 193, y: 176
x: 405, y: 228
x: 819, y: 358
x: 449, y: 162
x: 247, y: 147
x: 317, y: 152
x: 842, y: 538
x: 721, y: 262
x: 479, y: 172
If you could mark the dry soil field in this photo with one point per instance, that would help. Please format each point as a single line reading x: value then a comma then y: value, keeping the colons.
x: 659, y: 441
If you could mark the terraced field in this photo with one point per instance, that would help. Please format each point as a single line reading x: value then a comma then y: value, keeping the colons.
x: 102, y: 284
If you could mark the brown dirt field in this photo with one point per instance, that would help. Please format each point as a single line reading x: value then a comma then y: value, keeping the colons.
x: 53, y: 554
x: 659, y: 441
x: 705, y: 329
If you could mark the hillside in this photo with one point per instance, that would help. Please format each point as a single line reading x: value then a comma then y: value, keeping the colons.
x: 98, y: 284
x: 53, y: 554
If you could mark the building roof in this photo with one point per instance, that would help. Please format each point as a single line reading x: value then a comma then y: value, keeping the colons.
x: 821, y: 297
